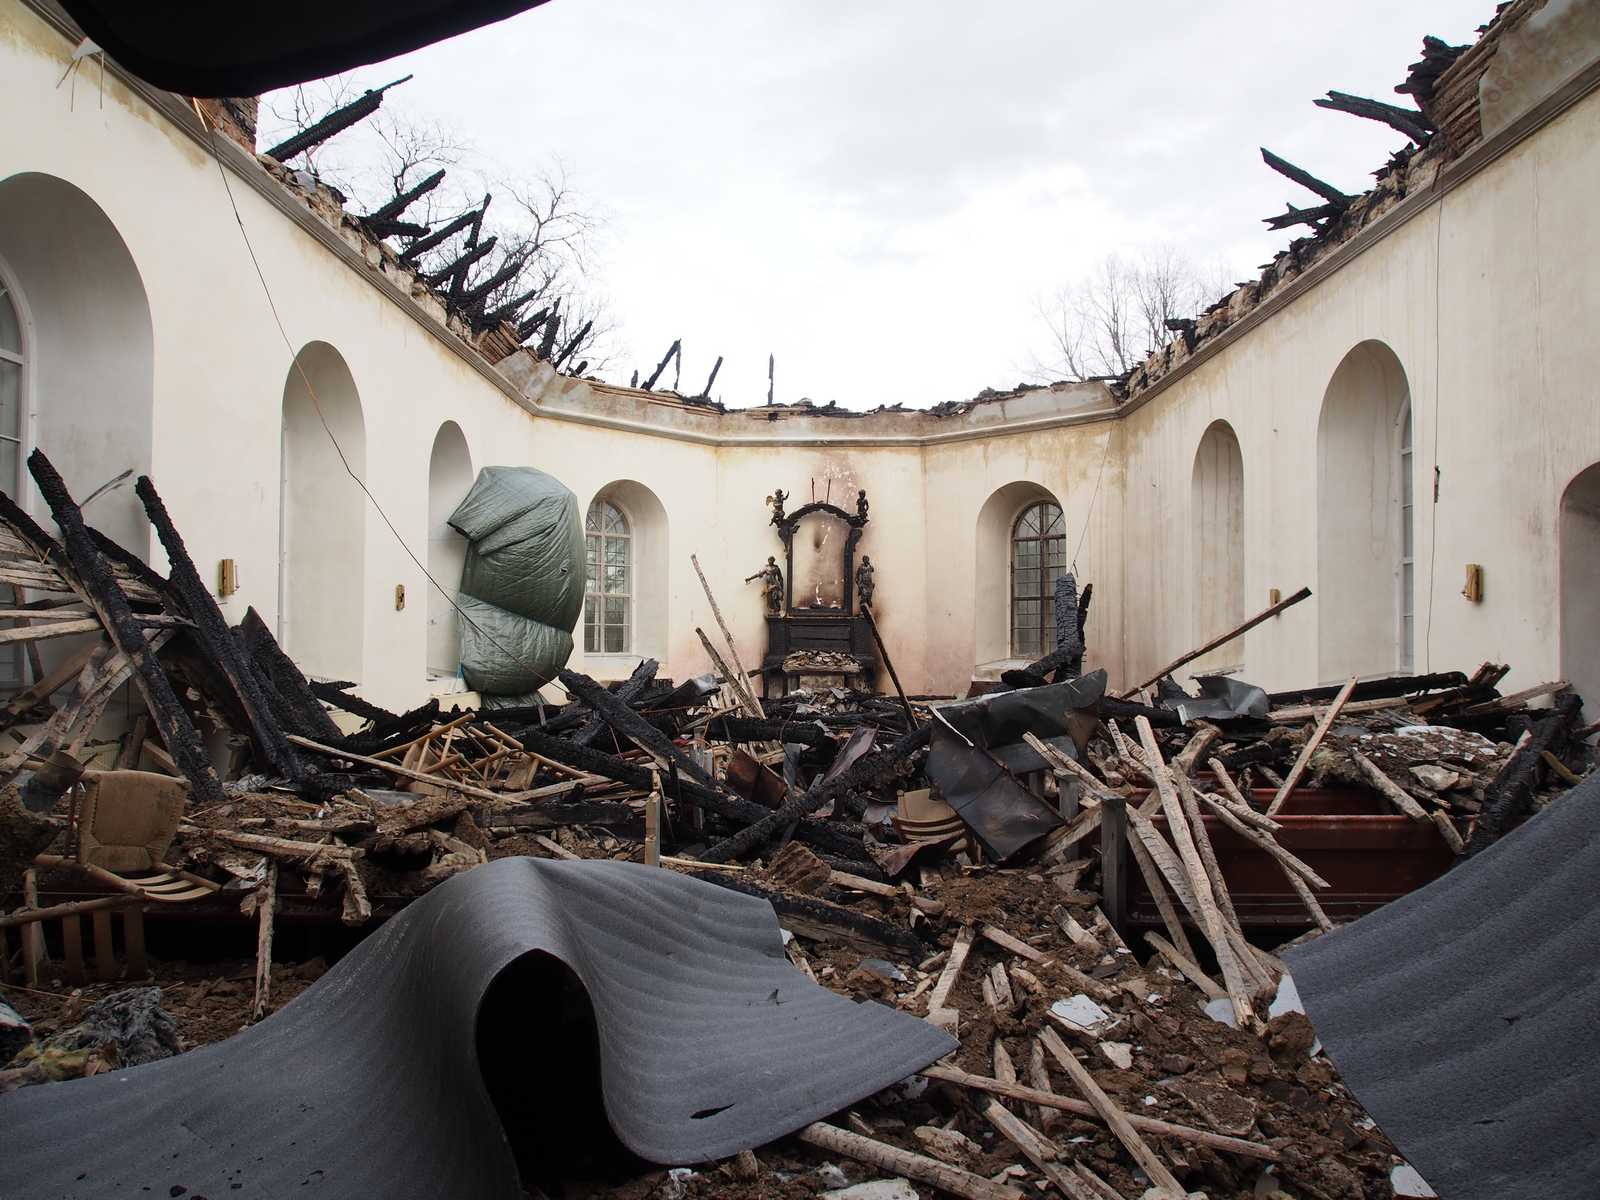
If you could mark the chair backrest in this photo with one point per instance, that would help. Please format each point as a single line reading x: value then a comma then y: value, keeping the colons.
x: 127, y: 819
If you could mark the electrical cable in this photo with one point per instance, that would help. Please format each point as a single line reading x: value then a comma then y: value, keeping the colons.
x: 1094, y: 496
x: 316, y: 403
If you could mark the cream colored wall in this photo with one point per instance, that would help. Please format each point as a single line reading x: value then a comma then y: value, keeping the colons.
x: 1499, y: 351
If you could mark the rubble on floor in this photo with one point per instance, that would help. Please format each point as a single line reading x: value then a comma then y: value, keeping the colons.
x: 1086, y: 1065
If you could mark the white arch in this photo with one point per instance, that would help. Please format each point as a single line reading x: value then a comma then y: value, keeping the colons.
x: 1579, y: 563
x: 1361, y: 592
x: 322, y: 539
x: 650, y: 536
x: 1216, y: 511
x: 992, y: 602
x: 450, y: 476
x: 89, y: 387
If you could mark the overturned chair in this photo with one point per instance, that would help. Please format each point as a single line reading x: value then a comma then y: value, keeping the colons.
x: 120, y: 829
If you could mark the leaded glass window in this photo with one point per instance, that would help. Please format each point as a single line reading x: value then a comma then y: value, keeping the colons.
x: 608, y: 596
x: 1038, y: 557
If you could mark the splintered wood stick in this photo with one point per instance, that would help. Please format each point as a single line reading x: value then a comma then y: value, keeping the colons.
x: 466, y: 789
x: 1387, y: 787
x: 938, y: 1011
x: 903, y: 1162
x: 557, y: 848
x: 733, y: 650
x: 1082, y: 1108
x: 1237, y: 799
x: 266, y: 905
x: 1014, y: 944
x: 1037, y: 1149
x: 1310, y: 748
x: 652, y: 821
x: 1211, y: 919
x: 1238, y: 630
x: 1197, y: 745
x: 1265, y: 841
x: 1448, y: 830
x: 1154, y: 1167
x: 1187, y: 966
x: 1158, y: 890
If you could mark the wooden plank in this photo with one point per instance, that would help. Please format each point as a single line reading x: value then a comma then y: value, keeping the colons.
x: 48, y: 629
x: 652, y: 822
x: 105, y: 958
x: 1037, y: 1149
x: 733, y: 649
x: 440, y: 781
x: 24, y: 917
x: 903, y: 1162
x: 1158, y: 890
x: 1114, y: 1117
x: 1014, y: 944
x: 939, y: 1013
x: 1223, y: 640
x: 1241, y: 806
x: 266, y: 908
x: 1219, y: 886
x: 1387, y: 787
x: 1210, y: 918
x: 1187, y: 966
x: 1310, y: 748
x: 33, y: 951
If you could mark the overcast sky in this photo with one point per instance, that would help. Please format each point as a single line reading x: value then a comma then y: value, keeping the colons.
x: 881, y: 193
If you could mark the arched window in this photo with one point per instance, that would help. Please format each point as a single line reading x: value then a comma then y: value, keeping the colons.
x: 1408, y: 564
x: 608, y: 598
x: 11, y: 364
x: 1038, y: 555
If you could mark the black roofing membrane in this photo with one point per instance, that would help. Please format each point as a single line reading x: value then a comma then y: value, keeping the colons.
x: 1466, y: 1016
x: 368, y: 1083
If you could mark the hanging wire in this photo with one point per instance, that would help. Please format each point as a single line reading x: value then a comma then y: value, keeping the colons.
x: 1094, y: 496
x: 316, y: 403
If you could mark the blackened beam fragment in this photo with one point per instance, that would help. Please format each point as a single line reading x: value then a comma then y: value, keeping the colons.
x: 456, y: 269
x: 630, y: 724
x: 337, y: 121
x: 552, y: 814
x: 705, y: 392
x: 632, y: 688
x: 744, y: 729
x: 572, y: 344
x: 1305, y: 179
x: 835, y: 837
x: 133, y: 564
x: 477, y: 295
x: 867, y: 771
x: 336, y: 695
x: 1110, y: 706
x: 1408, y: 121
x: 820, y: 921
x: 93, y: 574
x: 547, y: 344
x: 300, y: 712
x: 672, y: 352
x: 212, y: 635
x: 404, y: 200
x: 388, y: 729
x: 528, y: 325
x: 383, y: 229
x: 1507, y: 800
x: 1302, y: 216
x: 508, y: 311
x: 1374, y: 689
x: 440, y: 236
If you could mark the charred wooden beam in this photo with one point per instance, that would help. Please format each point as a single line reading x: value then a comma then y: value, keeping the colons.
x: 1374, y: 689
x: 337, y: 121
x: 869, y: 770
x: 547, y: 343
x: 573, y: 344
x: 822, y: 921
x: 1303, y: 216
x: 478, y: 294
x: 630, y: 724
x: 442, y: 235
x: 1306, y: 180
x: 508, y: 310
x: 744, y: 729
x: 705, y: 392
x: 1408, y: 121
x: 300, y: 711
x: 527, y: 327
x: 93, y: 574
x: 456, y: 269
x: 383, y: 229
x: 627, y: 692
x: 1509, y: 798
x: 404, y: 200
x: 1438, y: 56
x: 337, y: 695
x: 672, y: 352
x: 213, y: 637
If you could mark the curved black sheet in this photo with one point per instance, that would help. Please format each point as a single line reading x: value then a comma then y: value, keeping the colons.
x: 192, y: 48
x: 1466, y: 1016
x: 367, y: 1084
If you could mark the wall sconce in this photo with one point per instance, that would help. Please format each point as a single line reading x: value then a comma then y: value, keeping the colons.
x: 1473, y: 590
x: 227, y: 578
x: 399, y: 596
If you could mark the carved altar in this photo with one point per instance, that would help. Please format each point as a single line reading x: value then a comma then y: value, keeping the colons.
x: 818, y: 639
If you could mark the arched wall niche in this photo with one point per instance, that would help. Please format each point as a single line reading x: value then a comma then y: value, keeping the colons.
x: 649, y: 545
x: 1365, y: 593
x: 992, y: 602
x: 449, y: 478
x: 88, y: 390
x: 1217, y: 538
x: 1579, y: 564
x: 322, y: 535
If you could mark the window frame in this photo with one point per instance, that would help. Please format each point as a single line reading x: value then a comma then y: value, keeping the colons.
x: 11, y: 657
x: 1405, y: 570
x: 593, y: 588
x: 1045, y: 596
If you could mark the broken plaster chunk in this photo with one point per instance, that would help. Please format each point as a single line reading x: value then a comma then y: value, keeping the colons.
x: 1120, y: 1054
x: 1082, y: 1015
x: 1407, y: 1183
x: 1431, y: 775
x: 878, y: 1189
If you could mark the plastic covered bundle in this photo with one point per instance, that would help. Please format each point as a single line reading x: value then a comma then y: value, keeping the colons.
x: 522, y: 585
